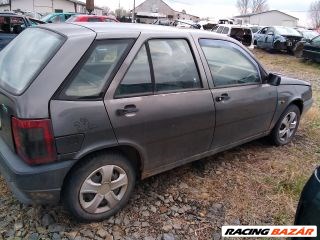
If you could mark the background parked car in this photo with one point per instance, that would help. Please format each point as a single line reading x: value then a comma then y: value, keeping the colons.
x: 307, y: 34
x: 91, y: 18
x: 277, y: 38
x: 311, y: 50
x: 57, y: 17
x: 12, y: 24
x: 241, y: 33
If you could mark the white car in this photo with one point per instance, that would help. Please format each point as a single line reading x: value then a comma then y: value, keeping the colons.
x: 241, y: 33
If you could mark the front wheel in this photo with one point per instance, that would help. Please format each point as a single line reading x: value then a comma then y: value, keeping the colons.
x: 287, y: 126
x: 99, y: 187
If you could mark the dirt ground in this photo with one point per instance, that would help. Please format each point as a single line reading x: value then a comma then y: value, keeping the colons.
x: 255, y: 184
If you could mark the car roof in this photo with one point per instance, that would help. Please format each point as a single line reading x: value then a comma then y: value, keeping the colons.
x: 123, y: 29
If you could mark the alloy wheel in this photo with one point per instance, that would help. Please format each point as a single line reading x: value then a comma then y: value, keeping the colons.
x: 288, y: 126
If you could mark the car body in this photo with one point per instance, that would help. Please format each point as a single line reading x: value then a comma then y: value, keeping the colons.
x: 308, y: 209
x: 57, y: 17
x: 307, y: 34
x: 241, y: 33
x: 311, y: 49
x: 116, y: 102
x: 277, y: 38
x: 91, y: 18
x: 13, y: 24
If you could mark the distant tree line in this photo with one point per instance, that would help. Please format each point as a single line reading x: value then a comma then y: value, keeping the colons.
x: 314, y: 13
x: 252, y: 6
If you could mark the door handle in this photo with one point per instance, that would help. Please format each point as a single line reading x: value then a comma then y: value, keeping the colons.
x: 223, y: 97
x: 127, y: 109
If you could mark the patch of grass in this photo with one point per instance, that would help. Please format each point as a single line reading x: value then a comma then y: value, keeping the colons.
x: 292, y: 186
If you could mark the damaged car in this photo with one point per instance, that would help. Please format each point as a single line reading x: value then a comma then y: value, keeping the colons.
x: 277, y: 38
x: 311, y: 50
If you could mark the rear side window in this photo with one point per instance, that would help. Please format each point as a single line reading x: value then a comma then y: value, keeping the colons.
x: 23, y: 59
x: 137, y: 80
x: 173, y: 65
x: 89, y: 79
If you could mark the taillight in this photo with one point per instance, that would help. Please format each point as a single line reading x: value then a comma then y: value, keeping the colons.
x: 34, y: 140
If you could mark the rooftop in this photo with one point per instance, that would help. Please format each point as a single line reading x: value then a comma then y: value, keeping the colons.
x: 253, y: 14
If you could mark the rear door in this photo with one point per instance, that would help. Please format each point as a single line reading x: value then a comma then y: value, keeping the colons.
x: 244, y: 106
x: 270, y: 38
x: 161, y: 103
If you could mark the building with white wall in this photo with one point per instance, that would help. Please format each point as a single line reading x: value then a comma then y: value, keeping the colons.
x: 268, y: 18
x: 46, y: 6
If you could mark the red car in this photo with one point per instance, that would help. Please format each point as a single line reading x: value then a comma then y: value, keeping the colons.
x: 91, y: 18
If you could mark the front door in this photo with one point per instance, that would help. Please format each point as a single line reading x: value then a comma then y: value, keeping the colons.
x: 161, y: 106
x: 244, y: 106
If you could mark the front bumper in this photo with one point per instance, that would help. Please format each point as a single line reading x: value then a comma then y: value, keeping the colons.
x: 32, y: 184
x: 306, y: 106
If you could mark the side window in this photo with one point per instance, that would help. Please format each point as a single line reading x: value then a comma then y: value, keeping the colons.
x: 173, y: 65
x: 94, y: 19
x: 138, y: 78
x: 225, y: 30
x: 264, y: 31
x: 17, y: 25
x: 220, y: 29
x: 228, y: 65
x: 89, y: 80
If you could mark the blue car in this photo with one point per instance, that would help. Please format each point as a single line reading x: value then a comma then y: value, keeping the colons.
x: 11, y: 25
x: 277, y: 38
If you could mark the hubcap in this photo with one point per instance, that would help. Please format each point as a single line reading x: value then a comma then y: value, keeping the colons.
x: 103, y: 189
x: 288, y: 126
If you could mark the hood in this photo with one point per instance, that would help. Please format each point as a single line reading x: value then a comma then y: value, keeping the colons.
x: 293, y: 81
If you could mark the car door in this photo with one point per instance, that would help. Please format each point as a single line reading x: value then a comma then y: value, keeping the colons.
x: 269, y: 39
x: 261, y: 37
x: 244, y: 105
x: 160, y: 105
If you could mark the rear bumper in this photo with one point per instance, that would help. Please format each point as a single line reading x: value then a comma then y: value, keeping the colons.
x: 32, y: 184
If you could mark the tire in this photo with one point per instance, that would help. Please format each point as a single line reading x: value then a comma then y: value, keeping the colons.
x: 99, y: 187
x: 283, y: 132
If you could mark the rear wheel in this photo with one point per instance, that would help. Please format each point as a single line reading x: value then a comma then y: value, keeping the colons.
x: 287, y: 126
x: 100, y: 187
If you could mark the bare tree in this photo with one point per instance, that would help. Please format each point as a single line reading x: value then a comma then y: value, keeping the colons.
x: 258, y: 6
x: 106, y: 10
x: 315, y: 13
x: 243, y: 6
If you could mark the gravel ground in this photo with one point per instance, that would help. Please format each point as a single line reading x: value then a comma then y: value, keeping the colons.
x: 252, y: 184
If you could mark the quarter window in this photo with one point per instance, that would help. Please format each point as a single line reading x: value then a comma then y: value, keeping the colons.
x: 228, y: 65
x: 90, y: 79
x: 173, y: 65
x: 138, y: 79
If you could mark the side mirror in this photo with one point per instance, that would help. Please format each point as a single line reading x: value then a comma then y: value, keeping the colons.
x: 273, y: 79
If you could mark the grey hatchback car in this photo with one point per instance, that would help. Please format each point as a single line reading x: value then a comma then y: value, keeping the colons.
x: 87, y: 109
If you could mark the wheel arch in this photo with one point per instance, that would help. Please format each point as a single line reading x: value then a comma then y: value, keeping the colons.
x: 130, y: 152
x: 298, y: 102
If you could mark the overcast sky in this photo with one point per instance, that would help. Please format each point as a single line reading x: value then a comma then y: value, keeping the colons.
x: 219, y: 8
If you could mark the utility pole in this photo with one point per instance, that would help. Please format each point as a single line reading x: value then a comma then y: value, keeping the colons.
x: 134, y: 10
x: 90, y: 6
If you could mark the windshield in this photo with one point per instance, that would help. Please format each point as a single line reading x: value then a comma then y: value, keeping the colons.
x: 287, y: 31
x: 46, y: 18
x: 23, y: 59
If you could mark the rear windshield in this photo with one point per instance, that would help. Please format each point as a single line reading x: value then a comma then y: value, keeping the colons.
x: 23, y: 59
